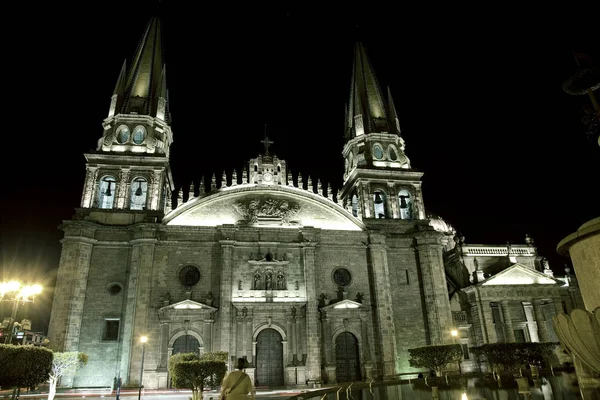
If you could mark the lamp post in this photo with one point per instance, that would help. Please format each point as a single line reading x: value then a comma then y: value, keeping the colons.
x: 143, y: 339
x: 454, y: 333
x: 16, y: 293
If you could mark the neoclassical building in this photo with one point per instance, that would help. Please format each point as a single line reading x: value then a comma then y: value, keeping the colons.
x: 305, y: 286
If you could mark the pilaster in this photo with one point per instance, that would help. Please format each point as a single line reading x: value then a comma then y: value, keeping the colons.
x: 435, y: 290
x: 225, y: 306
x: 384, y: 316
x: 313, y: 351
x: 91, y: 177
x: 139, y: 285
x: 542, y: 329
x: 509, y: 332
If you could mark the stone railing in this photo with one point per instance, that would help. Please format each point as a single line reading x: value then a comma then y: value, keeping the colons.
x: 459, y: 318
x: 497, y: 251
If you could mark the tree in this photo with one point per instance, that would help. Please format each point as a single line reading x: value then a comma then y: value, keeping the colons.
x: 24, y: 366
x: 435, y: 358
x: 62, y: 364
x: 188, y: 371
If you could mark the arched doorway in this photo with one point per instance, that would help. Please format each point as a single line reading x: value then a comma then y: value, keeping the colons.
x: 346, y: 358
x: 186, y: 344
x: 269, y: 358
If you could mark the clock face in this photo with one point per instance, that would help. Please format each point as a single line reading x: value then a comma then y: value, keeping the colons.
x: 377, y: 151
x: 267, y: 176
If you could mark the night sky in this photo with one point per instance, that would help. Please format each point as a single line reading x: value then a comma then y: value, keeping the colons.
x: 478, y: 93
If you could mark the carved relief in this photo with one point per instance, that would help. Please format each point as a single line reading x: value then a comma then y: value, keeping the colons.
x: 252, y: 211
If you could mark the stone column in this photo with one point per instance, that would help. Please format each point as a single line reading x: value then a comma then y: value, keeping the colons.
x: 385, y: 329
x: 208, y: 327
x: 248, y: 339
x: 157, y: 182
x: 164, y: 344
x: 435, y: 290
x: 122, y: 189
x: 531, y: 324
x: 69, y: 294
x: 313, y: 362
x: 542, y: 329
x: 290, y: 324
x: 488, y: 323
x: 91, y: 176
x: 392, y: 201
x: 326, y: 337
x: 138, y: 301
x: 509, y: 332
x: 299, y: 348
x: 225, y: 306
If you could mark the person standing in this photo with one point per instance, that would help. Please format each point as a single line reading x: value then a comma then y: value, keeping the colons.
x: 237, y: 385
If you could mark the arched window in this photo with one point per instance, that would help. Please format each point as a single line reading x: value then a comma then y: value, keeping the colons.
x: 380, y: 203
x: 138, y: 194
x: 406, y: 206
x: 186, y: 344
x: 106, y: 192
x: 355, y: 205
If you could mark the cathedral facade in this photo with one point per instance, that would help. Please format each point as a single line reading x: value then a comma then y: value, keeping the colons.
x: 307, y: 287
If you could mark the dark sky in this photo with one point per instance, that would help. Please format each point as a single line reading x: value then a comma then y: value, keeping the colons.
x: 478, y: 92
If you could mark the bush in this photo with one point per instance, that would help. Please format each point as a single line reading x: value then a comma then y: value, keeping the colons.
x: 435, y: 358
x: 24, y: 366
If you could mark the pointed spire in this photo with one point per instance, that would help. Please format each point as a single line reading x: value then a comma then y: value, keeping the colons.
x: 319, y: 187
x: 224, y: 179
x: 290, y: 179
x: 213, y: 181
x: 234, y: 177
x: 300, y: 182
x: 367, y: 110
x: 145, y: 82
x: 394, y: 119
x: 119, y: 87
x: 328, y: 193
x: 244, y: 176
x: 309, y: 184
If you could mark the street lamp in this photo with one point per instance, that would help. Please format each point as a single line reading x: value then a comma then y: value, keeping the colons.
x: 143, y: 339
x: 454, y: 333
x: 16, y: 293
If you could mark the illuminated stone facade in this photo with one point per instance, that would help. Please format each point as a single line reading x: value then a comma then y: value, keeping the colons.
x: 306, y: 288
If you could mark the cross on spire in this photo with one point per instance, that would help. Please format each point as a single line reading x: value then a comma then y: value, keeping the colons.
x: 266, y: 142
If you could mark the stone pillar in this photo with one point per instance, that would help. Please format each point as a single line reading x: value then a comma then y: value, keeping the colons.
x: 139, y: 287
x: 91, y: 177
x: 122, y: 189
x: 313, y: 362
x: 435, y: 290
x: 157, y: 188
x: 225, y: 306
x: 392, y: 201
x: 165, y: 328
x: 208, y: 327
x: 248, y: 339
x: 290, y: 324
x: 69, y: 294
x: 326, y: 337
x: 531, y: 323
x: 538, y: 312
x: 386, y: 341
x: 509, y: 332
x: 488, y: 322
x: 298, y: 347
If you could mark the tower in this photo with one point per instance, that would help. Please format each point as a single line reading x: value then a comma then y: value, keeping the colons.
x: 377, y: 170
x: 130, y: 168
x: 127, y: 180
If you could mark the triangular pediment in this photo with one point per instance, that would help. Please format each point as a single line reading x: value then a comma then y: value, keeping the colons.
x: 188, y: 305
x: 519, y: 274
x: 343, y: 305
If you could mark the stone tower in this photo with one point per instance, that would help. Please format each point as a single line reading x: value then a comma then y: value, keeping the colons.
x: 377, y: 171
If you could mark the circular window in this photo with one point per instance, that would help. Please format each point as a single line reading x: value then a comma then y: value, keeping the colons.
x: 139, y: 134
x: 342, y: 277
x: 189, y: 275
x: 377, y: 151
x: 392, y: 153
x: 114, y: 288
x: 123, y: 134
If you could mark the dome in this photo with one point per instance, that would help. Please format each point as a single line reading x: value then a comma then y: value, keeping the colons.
x: 438, y: 223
